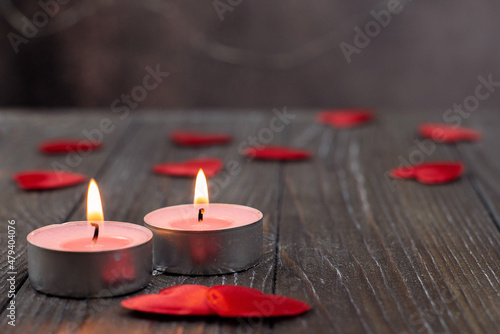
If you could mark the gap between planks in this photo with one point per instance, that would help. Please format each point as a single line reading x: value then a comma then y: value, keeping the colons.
x: 477, y: 189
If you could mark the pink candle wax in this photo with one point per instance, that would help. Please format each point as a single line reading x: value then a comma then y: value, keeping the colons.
x: 216, y: 217
x: 77, y: 236
x: 102, y: 243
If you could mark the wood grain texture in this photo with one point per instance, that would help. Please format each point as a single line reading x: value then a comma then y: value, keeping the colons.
x: 18, y: 151
x: 376, y: 255
x: 129, y: 193
x: 371, y: 254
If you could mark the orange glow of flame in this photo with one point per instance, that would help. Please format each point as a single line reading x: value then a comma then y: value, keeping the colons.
x: 201, y: 189
x: 94, y: 205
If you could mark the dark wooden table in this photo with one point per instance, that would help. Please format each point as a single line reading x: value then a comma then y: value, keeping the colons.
x: 370, y: 254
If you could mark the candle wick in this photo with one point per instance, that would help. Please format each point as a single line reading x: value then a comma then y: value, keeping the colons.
x: 200, y: 215
x: 96, y: 232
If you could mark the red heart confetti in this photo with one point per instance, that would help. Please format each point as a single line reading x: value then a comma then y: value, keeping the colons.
x: 238, y: 301
x: 47, y: 179
x: 431, y: 173
x: 190, y: 168
x: 224, y: 300
x: 186, y: 299
x: 190, y: 138
x: 446, y: 133
x: 68, y: 145
x: 276, y: 153
x: 345, y: 118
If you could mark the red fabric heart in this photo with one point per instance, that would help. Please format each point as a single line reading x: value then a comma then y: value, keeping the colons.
x: 345, y: 118
x: 47, y: 179
x: 222, y: 300
x: 68, y: 145
x: 190, y: 168
x: 445, y: 133
x: 190, y: 138
x: 276, y: 153
x: 186, y: 299
x: 239, y: 301
x: 431, y: 173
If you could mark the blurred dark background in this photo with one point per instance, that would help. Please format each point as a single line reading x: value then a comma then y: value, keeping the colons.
x: 247, y: 53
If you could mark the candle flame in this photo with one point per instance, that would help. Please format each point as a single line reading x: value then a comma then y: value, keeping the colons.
x: 201, y: 189
x: 94, y: 205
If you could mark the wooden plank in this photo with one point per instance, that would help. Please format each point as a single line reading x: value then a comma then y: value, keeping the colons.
x: 370, y: 255
x: 380, y: 256
x: 483, y: 160
x: 21, y: 133
x: 130, y: 191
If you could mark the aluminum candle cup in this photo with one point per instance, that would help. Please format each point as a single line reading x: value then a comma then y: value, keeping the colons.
x: 63, y: 261
x: 229, y: 239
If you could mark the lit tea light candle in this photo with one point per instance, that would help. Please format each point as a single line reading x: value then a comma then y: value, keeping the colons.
x: 93, y: 258
x: 205, y: 238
